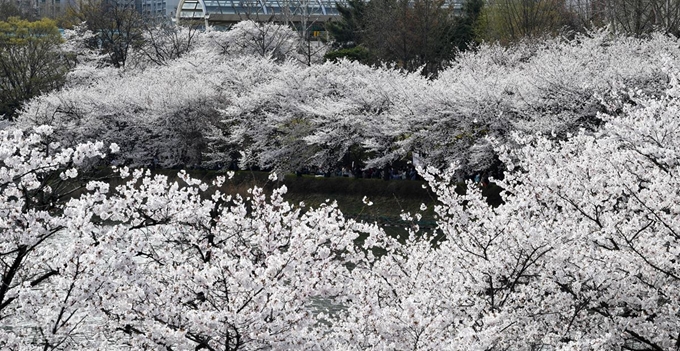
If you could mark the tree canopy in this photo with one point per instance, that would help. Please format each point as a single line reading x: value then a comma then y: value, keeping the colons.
x: 30, y: 62
x: 415, y: 35
x: 581, y: 253
x: 223, y: 97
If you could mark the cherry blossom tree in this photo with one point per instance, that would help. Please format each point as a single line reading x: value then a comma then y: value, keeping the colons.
x: 251, y: 38
x: 205, y: 107
x: 157, y: 116
x: 163, y: 42
x: 154, y: 264
x: 553, y: 86
x: 220, y: 272
x: 581, y: 255
x: 42, y: 261
x: 315, y: 116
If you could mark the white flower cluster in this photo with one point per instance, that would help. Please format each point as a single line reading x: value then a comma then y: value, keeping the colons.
x: 206, y: 106
x: 584, y: 253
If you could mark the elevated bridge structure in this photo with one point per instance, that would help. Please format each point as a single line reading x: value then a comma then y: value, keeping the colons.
x: 227, y: 12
